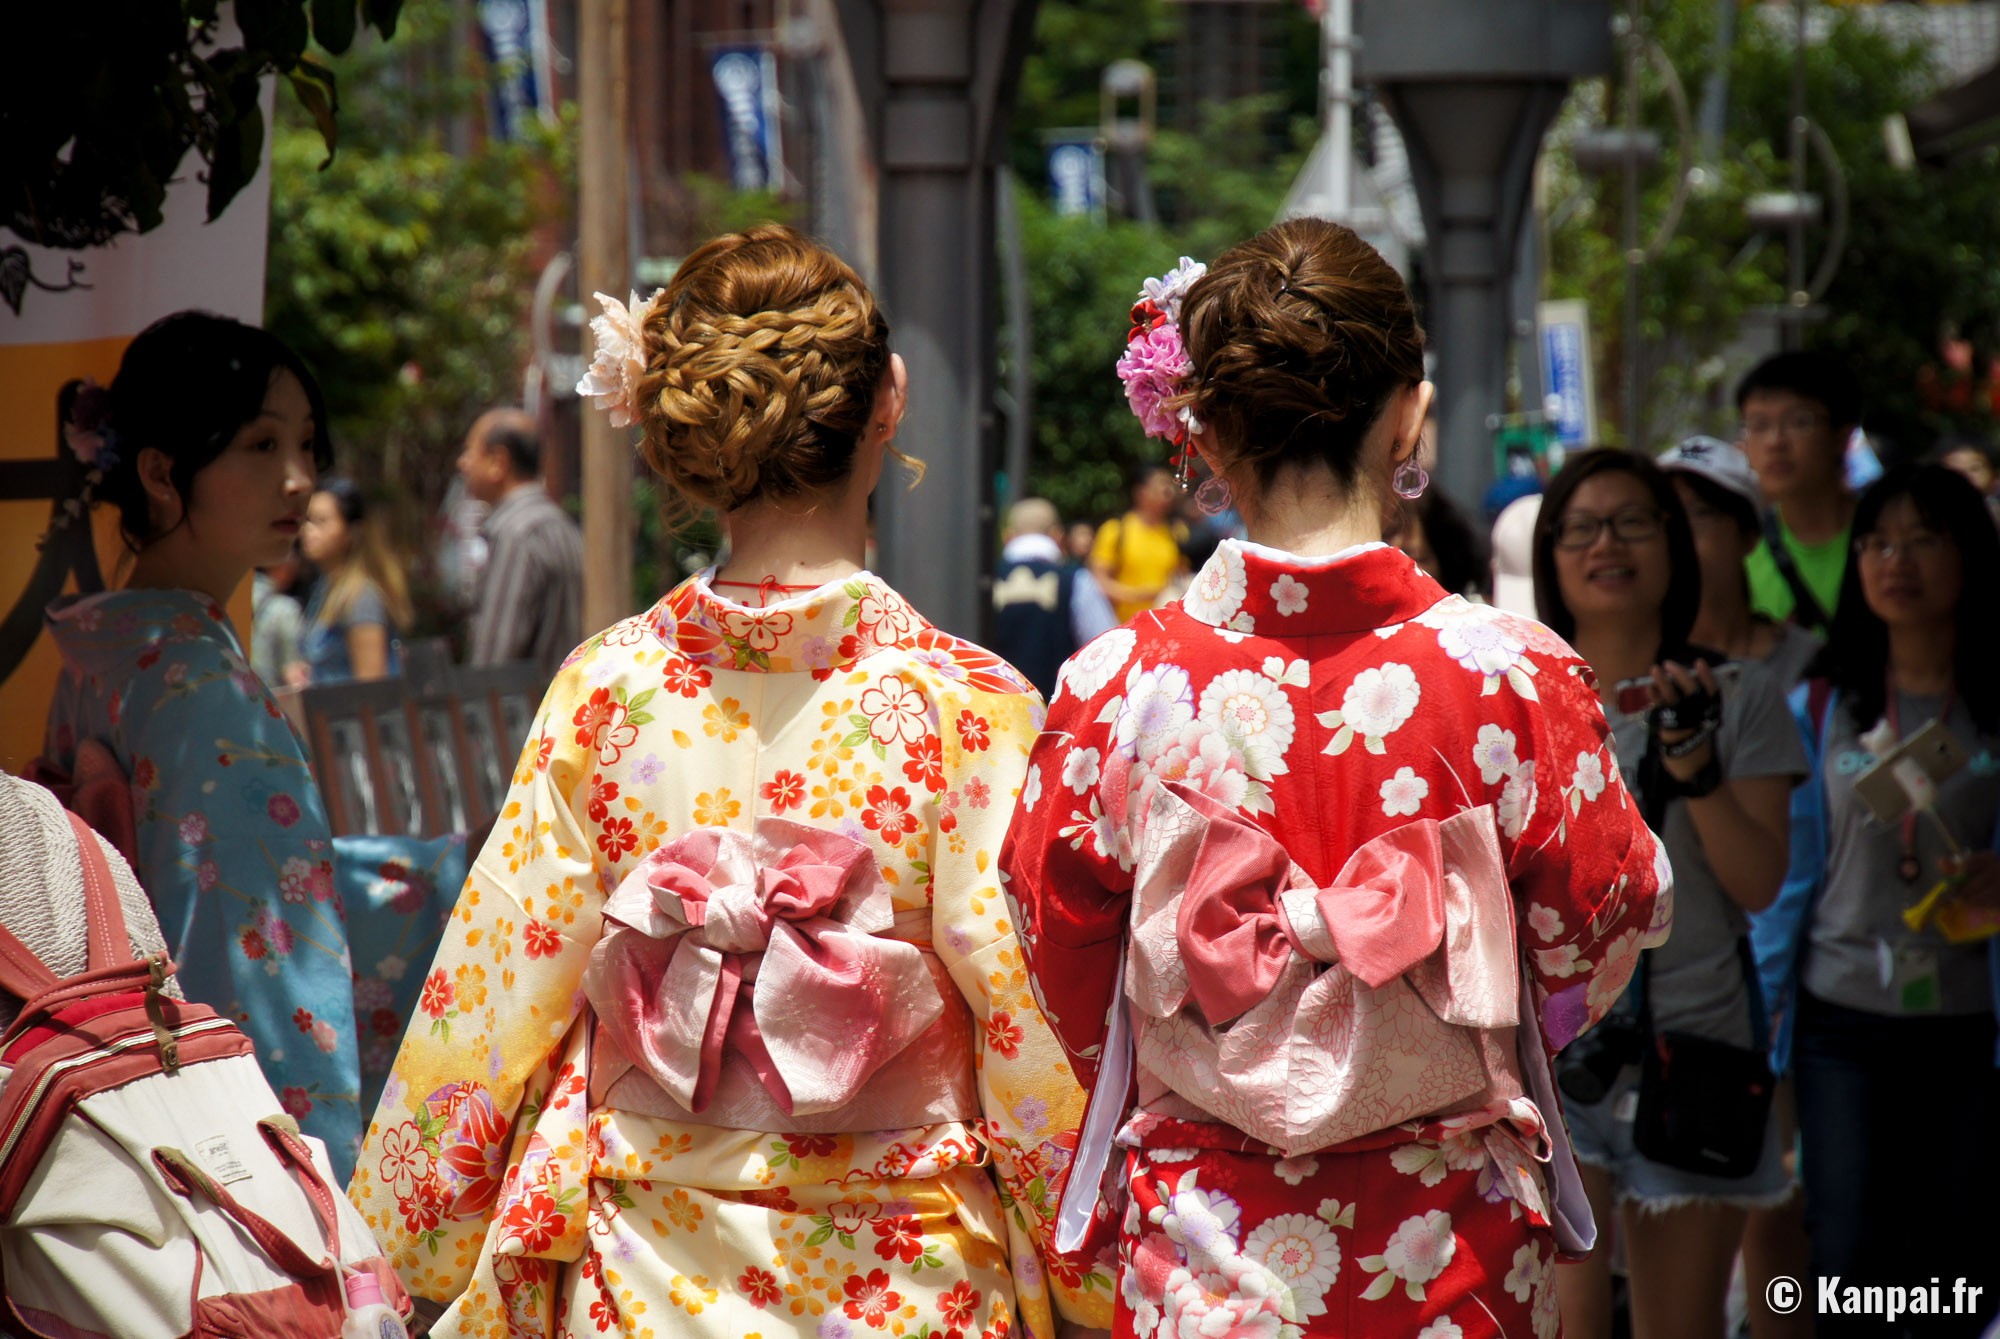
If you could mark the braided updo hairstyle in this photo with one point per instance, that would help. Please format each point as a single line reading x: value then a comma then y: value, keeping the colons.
x: 1298, y: 338
x: 762, y: 361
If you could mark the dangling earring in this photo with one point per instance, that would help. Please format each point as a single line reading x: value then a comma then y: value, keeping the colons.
x: 1184, y: 467
x: 1411, y: 480
x: 1215, y: 496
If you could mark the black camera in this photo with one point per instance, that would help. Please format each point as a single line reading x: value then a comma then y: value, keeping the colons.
x: 1588, y: 1066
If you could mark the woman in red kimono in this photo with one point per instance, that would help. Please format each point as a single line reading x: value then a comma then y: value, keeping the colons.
x: 1357, y: 850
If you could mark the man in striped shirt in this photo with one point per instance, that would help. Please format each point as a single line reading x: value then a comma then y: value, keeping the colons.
x: 530, y: 592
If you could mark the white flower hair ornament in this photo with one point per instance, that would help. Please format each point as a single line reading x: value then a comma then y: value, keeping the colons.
x: 1155, y: 360
x: 613, y: 378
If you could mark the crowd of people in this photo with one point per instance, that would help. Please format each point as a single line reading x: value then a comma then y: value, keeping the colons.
x: 1295, y: 925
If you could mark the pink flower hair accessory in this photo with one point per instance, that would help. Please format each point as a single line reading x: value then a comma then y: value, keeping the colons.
x: 613, y: 378
x: 1155, y: 362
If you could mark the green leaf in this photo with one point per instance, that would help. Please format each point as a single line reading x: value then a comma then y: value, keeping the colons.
x: 821, y: 1234
x: 381, y: 15
x: 642, y: 699
x: 239, y: 149
x: 333, y: 24
x: 314, y: 88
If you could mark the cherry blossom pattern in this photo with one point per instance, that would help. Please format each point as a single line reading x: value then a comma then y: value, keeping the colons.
x: 1403, y: 794
x: 1379, y: 701
x: 1418, y: 1251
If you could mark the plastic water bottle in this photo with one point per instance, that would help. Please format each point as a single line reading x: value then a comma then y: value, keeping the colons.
x: 369, y: 1316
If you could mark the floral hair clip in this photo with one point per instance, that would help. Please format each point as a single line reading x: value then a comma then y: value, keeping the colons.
x: 86, y: 432
x: 1155, y: 362
x: 613, y: 378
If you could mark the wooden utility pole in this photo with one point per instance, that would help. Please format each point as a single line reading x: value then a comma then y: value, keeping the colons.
x: 604, y: 266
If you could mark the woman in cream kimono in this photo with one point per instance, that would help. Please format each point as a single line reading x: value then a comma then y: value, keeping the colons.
x: 731, y: 1034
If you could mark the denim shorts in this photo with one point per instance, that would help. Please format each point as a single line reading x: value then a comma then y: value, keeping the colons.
x: 1602, y: 1135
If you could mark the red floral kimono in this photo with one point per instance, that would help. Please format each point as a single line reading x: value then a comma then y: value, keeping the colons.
x: 1328, y: 726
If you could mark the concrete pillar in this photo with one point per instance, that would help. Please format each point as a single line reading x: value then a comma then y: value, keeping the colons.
x: 1472, y: 85
x: 936, y: 77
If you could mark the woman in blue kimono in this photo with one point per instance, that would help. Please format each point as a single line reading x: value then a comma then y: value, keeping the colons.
x: 212, y: 438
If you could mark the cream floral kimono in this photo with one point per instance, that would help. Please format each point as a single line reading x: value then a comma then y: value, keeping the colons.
x: 731, y: 1034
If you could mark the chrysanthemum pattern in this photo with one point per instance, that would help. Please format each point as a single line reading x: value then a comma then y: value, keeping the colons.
x: 1402, y: 704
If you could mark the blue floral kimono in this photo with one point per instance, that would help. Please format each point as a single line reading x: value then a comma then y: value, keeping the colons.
x: 233, y: 843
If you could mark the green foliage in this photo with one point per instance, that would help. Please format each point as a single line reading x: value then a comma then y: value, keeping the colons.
x: 1919, y: 260
x: 1910, y: 272
x: 1082, y: 277
x: 404, y: 272
x: 1215, y: 185
x: 105, y: 100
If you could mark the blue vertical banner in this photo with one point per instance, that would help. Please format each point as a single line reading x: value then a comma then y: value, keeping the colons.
x: 1076, y: 175
x: 746, y: 84
x: 1568, y: 387
x: 507, y: 30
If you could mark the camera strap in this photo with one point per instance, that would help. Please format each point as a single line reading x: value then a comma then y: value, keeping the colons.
x: 1746, y: 961
x: 1656, y: 791
x: 1807, y: 611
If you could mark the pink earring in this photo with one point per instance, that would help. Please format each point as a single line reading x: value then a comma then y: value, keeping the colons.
x: 1214, y: 496
x: 1411, y: 479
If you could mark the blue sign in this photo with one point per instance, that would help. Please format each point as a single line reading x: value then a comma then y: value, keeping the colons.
x: 1566, y: 373
x: 746, y: 83
x: 507, y: 29
x: 1076, y: 176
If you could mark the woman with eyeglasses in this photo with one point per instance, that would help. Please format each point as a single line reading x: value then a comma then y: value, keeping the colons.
x: 1711, y: 755
x: 1887, y: 1023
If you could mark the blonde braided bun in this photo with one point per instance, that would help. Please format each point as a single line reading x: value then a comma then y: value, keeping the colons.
x: 762, y: 361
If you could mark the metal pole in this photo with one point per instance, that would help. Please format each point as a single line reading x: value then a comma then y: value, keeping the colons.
x: 1715, y: 92
x: 1795, y: 242
x: 1635, y: 412
x: 1020, y: 339
x: 604, y: 266
x: 1338, y: 33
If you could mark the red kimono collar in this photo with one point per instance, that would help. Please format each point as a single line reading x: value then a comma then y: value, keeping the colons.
x: 1248, y: 588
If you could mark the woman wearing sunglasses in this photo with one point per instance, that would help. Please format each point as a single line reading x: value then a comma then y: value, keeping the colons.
x: 1711, y: 755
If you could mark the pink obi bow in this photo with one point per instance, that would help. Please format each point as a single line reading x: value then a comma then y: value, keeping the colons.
x: 1320, y: 1014
x: 766, y: 944
x: 1246, y: 909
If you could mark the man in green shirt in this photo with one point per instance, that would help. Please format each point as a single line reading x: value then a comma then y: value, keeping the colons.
x: 1798, y: 410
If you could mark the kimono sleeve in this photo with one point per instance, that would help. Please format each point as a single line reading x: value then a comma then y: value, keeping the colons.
x: 1068, y: 869
x: 493, y: 1064
x: 1032, y: 1107
x: 1591, y: 877
x: 235, y: 851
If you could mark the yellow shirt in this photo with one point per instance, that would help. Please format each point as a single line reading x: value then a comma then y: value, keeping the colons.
x: 1138, y: 553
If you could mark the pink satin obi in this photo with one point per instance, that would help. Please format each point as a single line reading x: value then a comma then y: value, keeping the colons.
x: 1307, y: 1016
x: 760, y: 980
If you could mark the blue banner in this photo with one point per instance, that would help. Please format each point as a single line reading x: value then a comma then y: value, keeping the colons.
x: 746, y: 84
x: 1076, y: 176
x: 507, y: 32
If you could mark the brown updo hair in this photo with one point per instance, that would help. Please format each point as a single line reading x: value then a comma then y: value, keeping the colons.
x: 762, y: 361
x: 1298, y: 339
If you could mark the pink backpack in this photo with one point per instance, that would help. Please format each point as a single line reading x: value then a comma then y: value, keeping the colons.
x: 151, y: 1185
